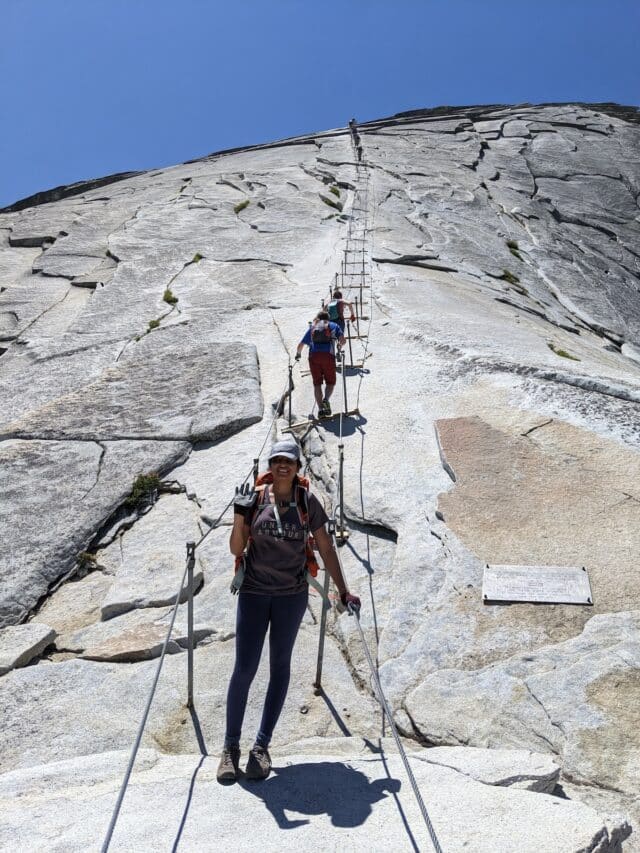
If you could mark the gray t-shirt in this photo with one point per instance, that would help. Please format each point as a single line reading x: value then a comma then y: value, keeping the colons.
x: 277, y: 566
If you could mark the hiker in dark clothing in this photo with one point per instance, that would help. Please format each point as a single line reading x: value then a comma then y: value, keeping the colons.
x: 274, y: 521
x: 335, y: 309
x: 320, y: 338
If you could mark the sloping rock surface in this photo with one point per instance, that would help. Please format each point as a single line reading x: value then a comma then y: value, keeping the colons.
x: 349, y: 801
x: 147, y: 323
x: 20, y: 643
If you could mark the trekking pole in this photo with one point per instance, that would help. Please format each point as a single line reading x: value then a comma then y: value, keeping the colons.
x: 323, y: 627
x: 290, y: 391
x: 350, y: 349
x: 341, y: 488
x: 256, y: 462
x: 344, y: 384
x: 191, y: 562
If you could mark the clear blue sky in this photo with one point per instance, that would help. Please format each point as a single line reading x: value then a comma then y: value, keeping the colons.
x: 92, y: 87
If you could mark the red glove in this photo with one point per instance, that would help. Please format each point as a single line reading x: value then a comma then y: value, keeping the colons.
x: 347, y: 599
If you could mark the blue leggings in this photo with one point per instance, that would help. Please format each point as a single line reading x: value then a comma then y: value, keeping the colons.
x: 283, y: 614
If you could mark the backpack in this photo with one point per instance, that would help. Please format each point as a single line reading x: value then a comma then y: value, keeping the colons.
x: 321, y: 332
x: 302, y: 503
x: 334, y: 308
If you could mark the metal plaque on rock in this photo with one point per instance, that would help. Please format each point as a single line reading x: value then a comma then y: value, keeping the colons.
x: 550, y: 584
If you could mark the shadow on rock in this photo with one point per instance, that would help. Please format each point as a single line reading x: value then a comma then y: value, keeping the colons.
x: 327, y: 787
x: 350, y: 423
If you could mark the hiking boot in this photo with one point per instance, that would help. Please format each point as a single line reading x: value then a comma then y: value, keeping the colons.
x: 259, y: 763
x: 229, y: 764
x: 327, y: 407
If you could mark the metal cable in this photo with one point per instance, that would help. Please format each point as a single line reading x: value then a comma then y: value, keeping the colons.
x: 143, y: 722
x: 145, y: 716
x: 354, y: 611
x: 385, y: 705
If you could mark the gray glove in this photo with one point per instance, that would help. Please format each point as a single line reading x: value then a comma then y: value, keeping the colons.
x: 351, y: 602
x: 245, y: 499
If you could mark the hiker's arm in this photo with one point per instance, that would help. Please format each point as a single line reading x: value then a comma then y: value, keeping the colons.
x: 353, y: 316
x: 330, y: 558
x: 239, y: 535
x: 306, y: 341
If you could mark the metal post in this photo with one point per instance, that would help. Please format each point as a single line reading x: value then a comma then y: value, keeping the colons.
x: 341, y: 486
x: 323, y: 627
x: 344, y: 383
x: 349, y: 339
x: 290, y: 392
x: 191, y: 562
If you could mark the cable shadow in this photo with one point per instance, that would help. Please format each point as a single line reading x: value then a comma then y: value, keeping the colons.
x: 187, y: 806
x: 334, y: 712
x: 354, y: 371
x: 325, y: 787
x: 202, y: 746
x: 197, y: 728
x: 364, y: 561
x: 403, y: 816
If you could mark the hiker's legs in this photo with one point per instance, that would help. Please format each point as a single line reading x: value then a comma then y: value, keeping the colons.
x: 323, y: 369
x: 286, y: 615
x: 315, y: 366
x: 252, y: 620
x: 329, y: 376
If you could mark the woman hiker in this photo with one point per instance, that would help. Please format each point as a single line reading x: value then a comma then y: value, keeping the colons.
x: 272, y: 595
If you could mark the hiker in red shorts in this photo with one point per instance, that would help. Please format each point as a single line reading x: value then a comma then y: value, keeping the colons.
x: 320, y: 338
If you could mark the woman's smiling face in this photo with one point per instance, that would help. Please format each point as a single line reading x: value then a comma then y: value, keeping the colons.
x: 282, y: 467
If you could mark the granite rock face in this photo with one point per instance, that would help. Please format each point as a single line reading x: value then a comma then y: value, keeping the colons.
x: 54, y: 497
x: 169, y: 388
x: 20, y: 643
x: 357, y: 798
x: 147, y: 324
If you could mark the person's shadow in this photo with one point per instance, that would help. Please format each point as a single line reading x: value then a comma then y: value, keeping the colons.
x: 330, y: 787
